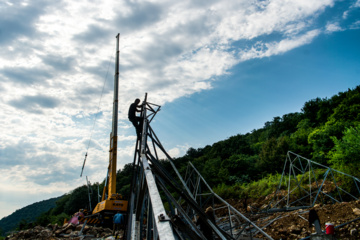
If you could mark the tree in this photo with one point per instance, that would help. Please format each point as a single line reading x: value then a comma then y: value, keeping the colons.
x: 239, y: 167
x: 23, y: 224
x: 345, y: 156
x: 60, y: 204
x: 211, y: 170
x: 123, y: 180
x: 78, y: 200
x: 343, y: 116
x: 43, y: 219
x: 273, y: 155
x: 299, y: 139
x: 311, y: 109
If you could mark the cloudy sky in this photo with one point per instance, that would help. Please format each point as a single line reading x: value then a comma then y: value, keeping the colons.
x: 217, y: 67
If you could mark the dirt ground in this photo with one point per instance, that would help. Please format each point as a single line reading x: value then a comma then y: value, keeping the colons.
x: 279, y: 225
x: 294, y: 225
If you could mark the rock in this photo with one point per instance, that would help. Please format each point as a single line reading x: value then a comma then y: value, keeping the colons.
x: 69, y: 226
x: 44, y: 234
x: 353, y: 232
x: 110, y: 238
x: 79, y: 227
x: 294, y: 229
x: 38, y: 228
x: 58, y: 232
x: 28, y: 233
x: 75, y: 238
x: 98, y: 229
x: 87, y: 228
x: 92, y: 232
x: 356, y: 211
x: 248, y: 208
x: 55, y: 227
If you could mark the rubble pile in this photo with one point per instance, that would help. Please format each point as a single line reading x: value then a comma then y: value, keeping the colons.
x: 294, y: 225
x: 68, y: 231
x: 345, y: 217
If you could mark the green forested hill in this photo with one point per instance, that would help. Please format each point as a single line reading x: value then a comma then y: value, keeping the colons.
x: 26, y: 214
x: 326, y: 131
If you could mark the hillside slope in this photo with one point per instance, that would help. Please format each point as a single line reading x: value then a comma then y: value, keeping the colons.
x: 28, y: 213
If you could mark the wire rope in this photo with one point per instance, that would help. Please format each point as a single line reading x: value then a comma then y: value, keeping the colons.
x: 98, y: 108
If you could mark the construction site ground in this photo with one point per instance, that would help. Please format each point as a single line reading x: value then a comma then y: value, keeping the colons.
x: 295, y: 225
x: 288, y: 225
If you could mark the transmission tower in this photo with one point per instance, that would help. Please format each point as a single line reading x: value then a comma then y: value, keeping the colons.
x: 154, y: 187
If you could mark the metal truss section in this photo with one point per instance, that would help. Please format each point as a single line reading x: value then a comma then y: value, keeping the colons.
x: 304, y: 183
x: 146, y: 207
x: 228, y: 219
x: 163, y: 205
x: 157, y: 183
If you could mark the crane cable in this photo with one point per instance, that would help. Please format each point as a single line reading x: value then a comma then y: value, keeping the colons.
x: 98, y: 108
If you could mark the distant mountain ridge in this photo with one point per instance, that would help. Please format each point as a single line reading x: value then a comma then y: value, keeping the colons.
x: 28, y: 213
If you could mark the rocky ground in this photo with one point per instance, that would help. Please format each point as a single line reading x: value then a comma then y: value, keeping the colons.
x: 294, y: 225
x: 69, y: 231
x: 286, y: 225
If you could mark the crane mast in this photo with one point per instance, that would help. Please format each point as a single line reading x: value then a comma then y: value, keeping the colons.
x: 110, y: 200
x: 113, y: 134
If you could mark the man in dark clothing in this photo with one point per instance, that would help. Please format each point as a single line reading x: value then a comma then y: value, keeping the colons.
x: 204, y: 227
x: 136, y: 121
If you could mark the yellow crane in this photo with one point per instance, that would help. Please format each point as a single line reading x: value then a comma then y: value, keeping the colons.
x: 111, y: 202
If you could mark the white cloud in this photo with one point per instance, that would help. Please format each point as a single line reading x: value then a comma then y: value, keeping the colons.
x: 355, y: 25
x: 357, y: 3
x: 179, y: 150
x: 351, y: 8
x: 249, y: 22
x: 333, y: 27
x: 260, y: 50
x: 53, y: 63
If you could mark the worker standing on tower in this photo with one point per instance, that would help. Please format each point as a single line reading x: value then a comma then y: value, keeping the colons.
x: 136, y: 121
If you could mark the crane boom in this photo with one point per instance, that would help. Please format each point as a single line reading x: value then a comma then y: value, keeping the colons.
x: 111, y: 201
x: 113, y: 135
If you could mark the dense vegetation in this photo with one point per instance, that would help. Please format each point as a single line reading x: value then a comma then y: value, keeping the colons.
x: 25, y: 216
x: 326, y: 131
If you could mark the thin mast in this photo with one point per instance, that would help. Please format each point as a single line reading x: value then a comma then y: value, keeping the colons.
x: 114, y: 134
x: 116, y: 89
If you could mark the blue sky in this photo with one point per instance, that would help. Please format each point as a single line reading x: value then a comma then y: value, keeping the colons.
x: 260, y: 89
x: 217, y: 68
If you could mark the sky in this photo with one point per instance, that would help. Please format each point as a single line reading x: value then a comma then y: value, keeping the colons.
x: 218, y: 68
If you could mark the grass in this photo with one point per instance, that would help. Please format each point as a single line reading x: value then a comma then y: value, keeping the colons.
x: 262, y: 187
x: 254, y: 189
